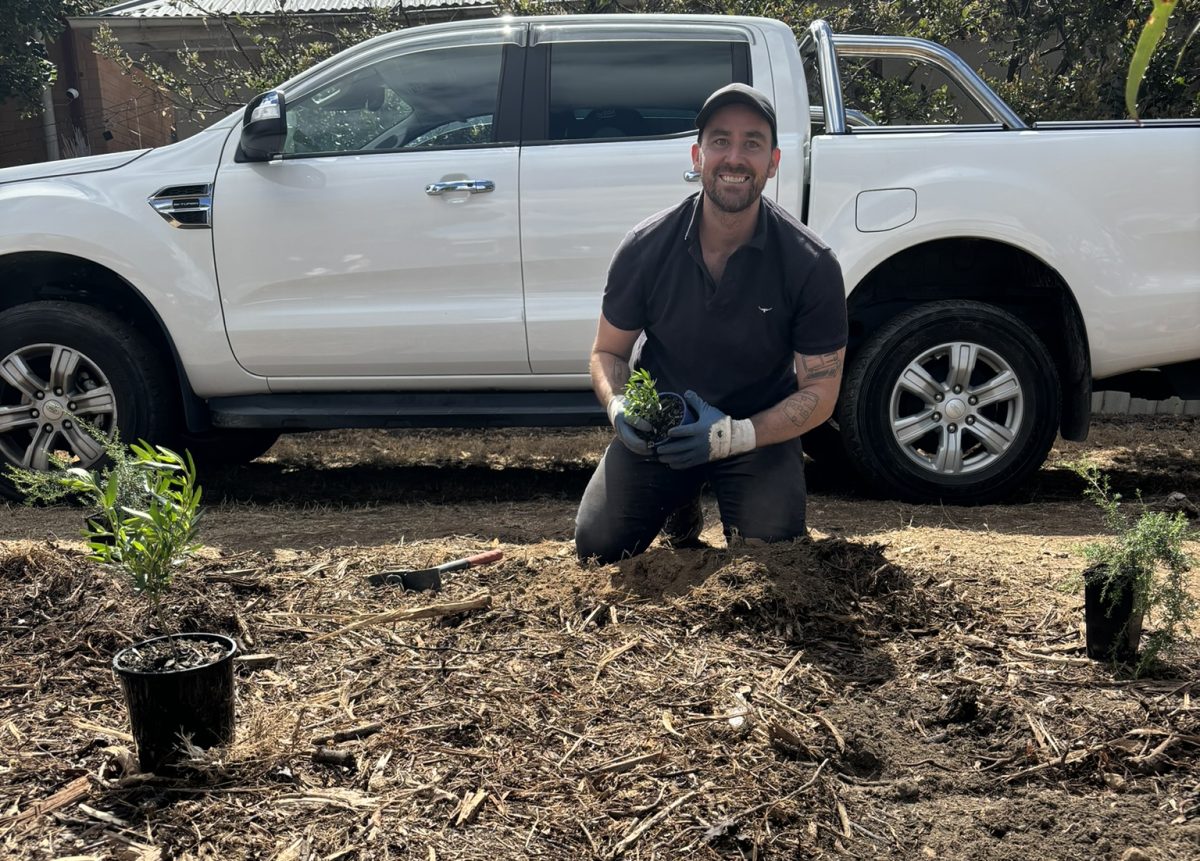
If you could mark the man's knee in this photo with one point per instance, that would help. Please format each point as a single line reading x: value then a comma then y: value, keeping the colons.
x: 590, y: 540
x: 762, y: 495
x: 597, y: 540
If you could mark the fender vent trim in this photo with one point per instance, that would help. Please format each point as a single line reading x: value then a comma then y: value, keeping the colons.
x: 188, y: 207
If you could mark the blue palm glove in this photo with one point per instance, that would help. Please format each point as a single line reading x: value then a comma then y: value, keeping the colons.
x: 712, y: 436
x: 626, y: 428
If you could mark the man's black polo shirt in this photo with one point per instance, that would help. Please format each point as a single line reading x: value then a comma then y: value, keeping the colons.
x: 732, y: 343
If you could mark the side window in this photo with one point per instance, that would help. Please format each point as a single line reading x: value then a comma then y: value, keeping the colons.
x: 604, y: 90
x: 443, y: 97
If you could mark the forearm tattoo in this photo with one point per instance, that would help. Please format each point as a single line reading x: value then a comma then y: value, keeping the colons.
x: 799, y: 407
x: 618, y: 373
x: 611, y: 370
x: 822, y: 367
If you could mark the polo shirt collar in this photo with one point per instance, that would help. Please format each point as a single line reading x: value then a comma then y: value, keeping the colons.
x: 691, y: 235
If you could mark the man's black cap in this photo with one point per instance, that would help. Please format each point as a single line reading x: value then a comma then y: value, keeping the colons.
x: 738, y: 94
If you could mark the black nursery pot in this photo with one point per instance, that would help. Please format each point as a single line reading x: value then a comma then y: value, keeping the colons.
x: 1113, y: 629
x: 684, y: 412
x: 165, y: 705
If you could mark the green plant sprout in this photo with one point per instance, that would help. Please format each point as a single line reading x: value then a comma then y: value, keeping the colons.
x: 641, y: 396
x: 1146, y: 552
x: 642, y: 401
x: 148, y: 505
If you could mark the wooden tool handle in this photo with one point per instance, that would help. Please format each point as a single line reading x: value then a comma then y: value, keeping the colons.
x: 485, y: 558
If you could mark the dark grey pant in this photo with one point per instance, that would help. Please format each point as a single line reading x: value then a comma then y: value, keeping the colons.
x: 760, y: 495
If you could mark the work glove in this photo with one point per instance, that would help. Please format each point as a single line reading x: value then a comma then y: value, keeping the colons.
x: 626, y: 427
x: 712, y: 436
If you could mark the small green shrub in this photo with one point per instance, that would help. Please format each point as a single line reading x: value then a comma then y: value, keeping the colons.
x: 642, y: 401
x: 641, y: 396
x: 148, y: 505
x: 50, y: 487
x: 1146, y: 551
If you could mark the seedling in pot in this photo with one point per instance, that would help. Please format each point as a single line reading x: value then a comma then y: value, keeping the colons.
x: 177, y: 684
x: 661, y: 411
x: 1138, y: 572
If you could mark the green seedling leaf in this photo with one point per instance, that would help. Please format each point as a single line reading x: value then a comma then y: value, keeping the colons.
x: 1152, y: 34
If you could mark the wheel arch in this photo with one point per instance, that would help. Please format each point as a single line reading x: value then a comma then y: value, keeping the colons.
x: 996, y: 273
x: 31, y: 276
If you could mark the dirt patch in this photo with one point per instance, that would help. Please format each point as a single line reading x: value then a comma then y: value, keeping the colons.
x: 911, y: 683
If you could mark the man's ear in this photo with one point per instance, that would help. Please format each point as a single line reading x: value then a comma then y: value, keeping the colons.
x: 773, y: 167
x: 696, y: 156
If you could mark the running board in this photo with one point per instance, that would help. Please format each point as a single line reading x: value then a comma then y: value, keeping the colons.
x: 329, y: 410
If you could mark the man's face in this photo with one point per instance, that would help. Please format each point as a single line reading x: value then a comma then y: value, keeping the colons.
x: 735, y: 158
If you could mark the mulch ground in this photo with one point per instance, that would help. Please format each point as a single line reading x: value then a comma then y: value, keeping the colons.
x: 911, y: 683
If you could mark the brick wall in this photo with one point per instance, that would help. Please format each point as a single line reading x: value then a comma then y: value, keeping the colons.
x: 114, y: 111
x: 1120, y: 403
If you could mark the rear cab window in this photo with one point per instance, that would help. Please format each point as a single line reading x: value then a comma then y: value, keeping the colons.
x: 630, y: 85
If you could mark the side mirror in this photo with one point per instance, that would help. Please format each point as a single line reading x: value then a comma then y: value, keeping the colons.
x: 264, y: 127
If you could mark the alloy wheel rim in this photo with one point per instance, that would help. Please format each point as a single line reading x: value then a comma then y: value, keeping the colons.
x: 45, y: 390
x: 956, y: 409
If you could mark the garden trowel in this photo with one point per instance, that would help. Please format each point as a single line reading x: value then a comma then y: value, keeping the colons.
x: 431, y: 578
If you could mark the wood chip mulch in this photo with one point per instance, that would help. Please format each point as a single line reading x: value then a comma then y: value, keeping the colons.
x: 815, y: 700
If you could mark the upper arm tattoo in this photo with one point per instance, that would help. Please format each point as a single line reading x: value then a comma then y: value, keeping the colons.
x: 824, y: 366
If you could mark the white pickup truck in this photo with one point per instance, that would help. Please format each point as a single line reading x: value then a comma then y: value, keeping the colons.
x: 416, y: 232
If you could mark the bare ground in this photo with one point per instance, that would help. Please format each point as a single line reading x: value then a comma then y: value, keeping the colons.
x: 909, y: 684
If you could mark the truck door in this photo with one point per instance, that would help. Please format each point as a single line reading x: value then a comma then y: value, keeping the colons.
x: 608, y: 128
x: 384, y: 242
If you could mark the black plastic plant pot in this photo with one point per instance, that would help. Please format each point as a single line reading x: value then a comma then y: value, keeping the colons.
x: 1113, y: 629
x: 167, y: 705
x: 684, y: 415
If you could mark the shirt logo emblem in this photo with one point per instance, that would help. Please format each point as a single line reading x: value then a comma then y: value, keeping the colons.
x: 765, y: 310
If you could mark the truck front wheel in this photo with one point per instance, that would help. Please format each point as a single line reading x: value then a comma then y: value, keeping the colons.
x: 62, y: 363
x: 950, y: 401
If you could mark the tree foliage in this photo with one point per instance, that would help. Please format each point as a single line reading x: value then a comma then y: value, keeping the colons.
x: 265, y: 51
x: 1049, y: 59
x: 26, y: 27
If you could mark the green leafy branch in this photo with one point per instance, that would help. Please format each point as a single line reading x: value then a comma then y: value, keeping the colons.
x: 148, y: 510
x: 1152, y: 33
x: 641, y: 397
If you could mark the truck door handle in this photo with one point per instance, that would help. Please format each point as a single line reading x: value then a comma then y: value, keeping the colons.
x: 691, y: 176
x: 475, y: 186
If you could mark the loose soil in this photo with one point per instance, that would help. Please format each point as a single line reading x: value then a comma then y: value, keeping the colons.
x: 171, y: 654
x: 911, y: 683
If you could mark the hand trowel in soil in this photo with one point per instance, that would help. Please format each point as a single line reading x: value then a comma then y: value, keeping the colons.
x: 431, y: 578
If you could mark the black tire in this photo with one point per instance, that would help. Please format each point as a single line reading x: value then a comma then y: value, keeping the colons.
x: 107, y: 374
x: 216, y: 448
x: 905, y: 444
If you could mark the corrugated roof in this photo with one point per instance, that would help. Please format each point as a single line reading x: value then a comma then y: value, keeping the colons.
x: 205, y: 8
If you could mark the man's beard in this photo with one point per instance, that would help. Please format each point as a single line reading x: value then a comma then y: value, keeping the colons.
x: 734, y: 199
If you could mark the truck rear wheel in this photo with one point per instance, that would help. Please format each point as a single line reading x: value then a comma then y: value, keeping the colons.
x: 62, y: 362
x: 951, y: 401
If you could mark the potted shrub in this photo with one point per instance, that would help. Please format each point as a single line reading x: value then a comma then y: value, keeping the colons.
x: 662, y: 411
x: 176, y: 686
x: 1139, y: 572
